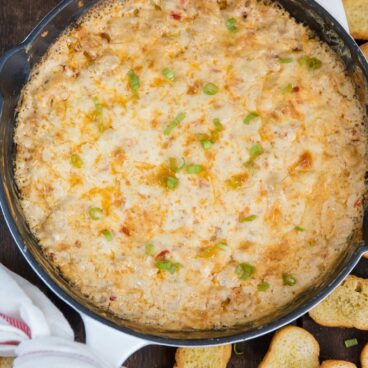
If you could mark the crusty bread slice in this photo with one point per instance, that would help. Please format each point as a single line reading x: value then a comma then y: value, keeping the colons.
x: 337, y: 364
x: 6, y: 362
x: 357, y: 14
x: 364, y: 48
x: 347, y: 306
x: 212, y: 357
x: 364, y: 357
x: 292, y: 347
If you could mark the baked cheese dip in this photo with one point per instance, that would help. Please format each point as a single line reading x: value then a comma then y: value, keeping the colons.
x: 191, y: 164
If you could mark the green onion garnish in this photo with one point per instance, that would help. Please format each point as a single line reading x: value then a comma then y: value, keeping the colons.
x: 210, y: 89
x: 285, y: 60
x: 251, y: 116
x: 244, y: 270
x: 168, y: 266
x: 194, y: 169
x: 287, y: 89
x: 351, y: 342
x: 172, y: 182
x: 255, y: 151
x: 311, y: 63
x: 231, y: 25
x: 95, y: 213
x: 206, y: 144
x: 173, y: 124
x: 168, y: 73
x: 174, y: 167
x: 219, y: 127
x: 288, y: 279
x: 107, y: 234
x: 76, y: 161
x: 99, y: 114
x: 236, y: 352
x: 248, y: 219
x: 149, y: 249
x: 299, y: 228
x: 222, y: 246
x: 133, y: 81
x: 263, y: 286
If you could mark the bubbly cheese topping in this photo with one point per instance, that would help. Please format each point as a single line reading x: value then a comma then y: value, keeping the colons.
x: 191, y: 164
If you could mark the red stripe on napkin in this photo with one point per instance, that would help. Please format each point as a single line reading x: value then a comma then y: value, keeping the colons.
x: 17, y: 324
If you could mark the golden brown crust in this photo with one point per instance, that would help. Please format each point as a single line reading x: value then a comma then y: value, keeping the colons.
x: 292, y: 347
x: 346, y: 307
x: 364, y: 48
x: 357, y: 14
x: 212, y: 357
x: 364, y: 357
x: 337, y: 364
x: 6, y: 362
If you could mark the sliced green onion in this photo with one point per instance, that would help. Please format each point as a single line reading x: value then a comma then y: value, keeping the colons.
x: 107, y: 234
x: 236, y: 352
x: 194, y: 169
x: 314, y: 63
x: 251, y: 116
x: 244, y: 270
x: 288, y: 279
x: 287, y: 89
x: 168, y: 266
x: 168, y: 73
x: 222, y: 246
x: 299, y: 228
x: 133, y: 81
x: 95, y: 213
x: 173, y: 124
x: 149, y: 249
x: 263, y: 286
x: 231, y: 25
x: 285, y: 60
x: 174, y: 167
x: 76, y: 161
x: 311, y: 63
x: 217, y: 122
x: 172, y: 182
x: 210, y: 89
x: 97, y: 104
x: 255, y: 151
x: 206, y: 144
x: 99, y: 114
x: 248, y: 219
x: 350, y: 343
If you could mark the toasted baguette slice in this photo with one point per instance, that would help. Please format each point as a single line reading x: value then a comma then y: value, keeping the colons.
x: 213, y: 357
x: 337, y: 364
x: 357, y: 14
x: 292, y: 347
x: 364, y: 48
x: 6, y: 362
x: 364, y: 357
x: 346, y: 307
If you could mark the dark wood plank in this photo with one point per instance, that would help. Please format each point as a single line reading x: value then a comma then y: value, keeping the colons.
x: 17, y: 18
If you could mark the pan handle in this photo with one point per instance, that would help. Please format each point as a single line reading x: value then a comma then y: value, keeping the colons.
x: 112, y: 345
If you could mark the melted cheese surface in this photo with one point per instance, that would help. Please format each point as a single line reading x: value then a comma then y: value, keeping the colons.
x: 241, y: 204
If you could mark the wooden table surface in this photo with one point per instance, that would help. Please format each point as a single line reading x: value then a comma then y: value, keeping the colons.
x: 17, y: 18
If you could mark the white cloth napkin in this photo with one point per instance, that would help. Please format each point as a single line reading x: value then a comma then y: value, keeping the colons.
x: 35, y: 331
